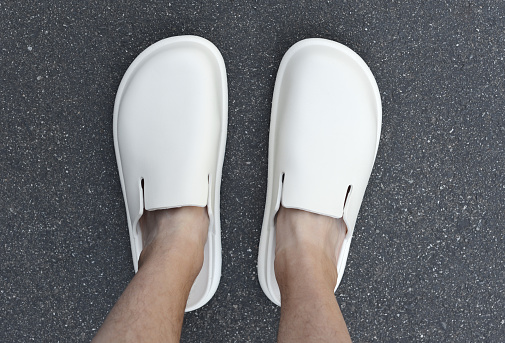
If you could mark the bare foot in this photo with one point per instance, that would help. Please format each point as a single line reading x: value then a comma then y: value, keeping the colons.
x: 151, y: 309
x: 306, y: 252
x: 181, y: 229
x: 308, y: 242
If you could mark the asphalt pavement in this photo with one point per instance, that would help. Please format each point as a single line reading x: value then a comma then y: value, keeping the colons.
x: 427, y: 259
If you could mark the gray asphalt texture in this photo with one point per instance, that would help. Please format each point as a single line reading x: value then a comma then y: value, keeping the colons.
x: 427, y: 259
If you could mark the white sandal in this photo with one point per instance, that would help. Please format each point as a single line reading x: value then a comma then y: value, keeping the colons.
x: 170, y: 122
x: 324, y: 134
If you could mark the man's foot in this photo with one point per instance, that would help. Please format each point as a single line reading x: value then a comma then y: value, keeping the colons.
x: 308, y: 243
x: 174, y: 230
x: 306, y: 252
x: 151, y: 309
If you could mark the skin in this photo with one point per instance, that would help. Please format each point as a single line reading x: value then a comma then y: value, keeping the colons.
x: 306, y: 251
x: 151, y: 309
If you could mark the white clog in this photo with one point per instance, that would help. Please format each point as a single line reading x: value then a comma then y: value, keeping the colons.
x: 324, y: 134
x: 170, y: 122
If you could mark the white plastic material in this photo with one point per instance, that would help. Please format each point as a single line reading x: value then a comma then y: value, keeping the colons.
x: 170, y: 121
x: 324, y: 134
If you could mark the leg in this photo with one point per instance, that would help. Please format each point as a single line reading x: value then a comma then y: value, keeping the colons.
x: 151, y: 309
x: 307, y: 246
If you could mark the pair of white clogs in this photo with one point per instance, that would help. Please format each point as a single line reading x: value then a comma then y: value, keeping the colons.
x: 170, y: 123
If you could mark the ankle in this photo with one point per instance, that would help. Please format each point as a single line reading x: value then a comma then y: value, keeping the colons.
x: 307, y: 247
x: 179, y: 232
x: 309, y: 235
x: 300, y: 266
